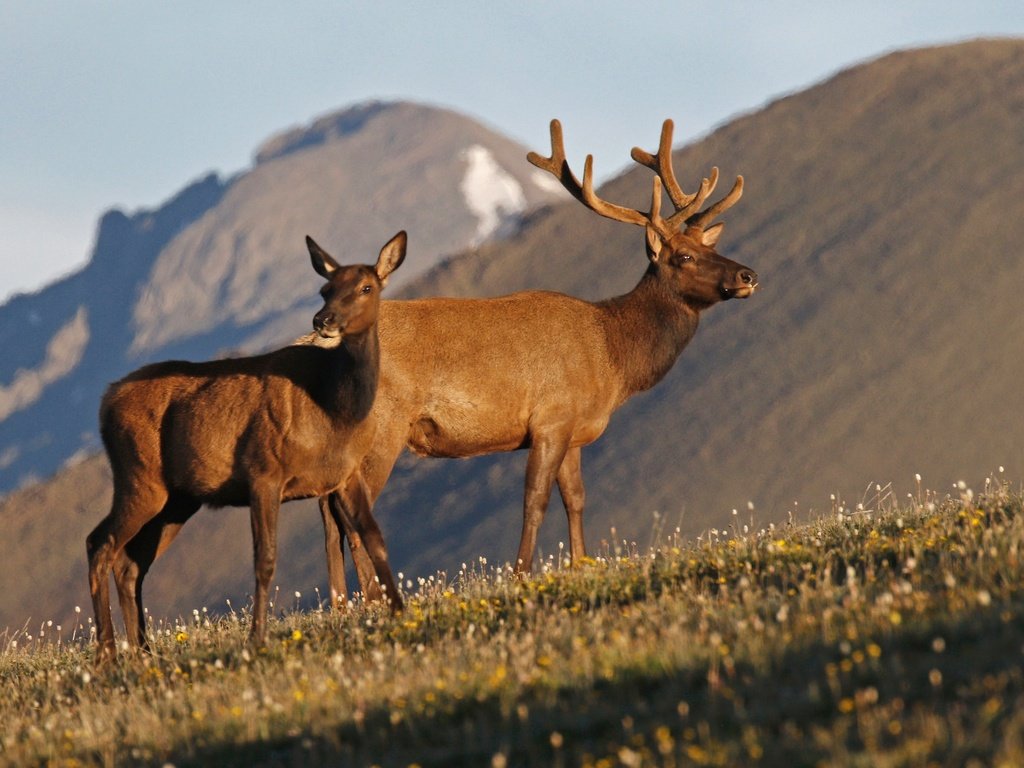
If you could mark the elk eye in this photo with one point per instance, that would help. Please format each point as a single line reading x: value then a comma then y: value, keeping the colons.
x: 366, y: 289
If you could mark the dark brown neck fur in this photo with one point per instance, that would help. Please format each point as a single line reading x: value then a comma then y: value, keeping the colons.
x: 646, y: 331
x: 348, y: 384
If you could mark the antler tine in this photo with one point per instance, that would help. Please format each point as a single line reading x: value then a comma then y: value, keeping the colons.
x: 558, y: 167
x: 701, y: 220
x: 621, y: 212
x: 707, y: 186
x: 661, y: 164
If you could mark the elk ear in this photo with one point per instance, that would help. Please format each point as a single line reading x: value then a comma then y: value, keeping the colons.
x: 653, y: 244
x: 391, y: 256
x: 324, y: 265
x: 710, y: 235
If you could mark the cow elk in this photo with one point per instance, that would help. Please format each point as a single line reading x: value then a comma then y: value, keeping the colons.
x: 539, y: 370
x: 290, y: 424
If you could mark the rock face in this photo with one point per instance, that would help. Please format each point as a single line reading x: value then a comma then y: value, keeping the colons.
x: 883, y: 212
x: 222, y: 266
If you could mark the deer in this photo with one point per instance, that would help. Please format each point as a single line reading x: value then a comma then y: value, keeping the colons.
x: 250, y: 431
x: 537, y: 370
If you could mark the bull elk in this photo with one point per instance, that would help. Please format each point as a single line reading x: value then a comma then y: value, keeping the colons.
x: 538, y: 370
x: 290, y: 424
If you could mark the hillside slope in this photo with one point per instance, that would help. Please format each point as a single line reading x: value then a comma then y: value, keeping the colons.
x: 884, y: 210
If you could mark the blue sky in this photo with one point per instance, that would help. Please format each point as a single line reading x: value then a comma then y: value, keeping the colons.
x: 119, y: 104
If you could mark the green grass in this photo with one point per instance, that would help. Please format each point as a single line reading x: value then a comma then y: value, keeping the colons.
x: 889, y: 636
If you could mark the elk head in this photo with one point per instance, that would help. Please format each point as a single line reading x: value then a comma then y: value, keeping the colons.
x: 352, y: 293
x: 681, y: 248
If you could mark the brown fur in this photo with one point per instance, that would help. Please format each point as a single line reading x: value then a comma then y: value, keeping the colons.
x: 538, y: 370
x: 290, y: 424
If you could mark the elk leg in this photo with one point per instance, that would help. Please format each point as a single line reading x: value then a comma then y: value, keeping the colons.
x: 128, y: 514
x: 360, y: 518
x: 98, y: 545
x: 341, y: 504
x: 138, y: 555
x: 337, y: 526
x: 374, y: 473
x: 266, y: 503
x: 570, y: 486
x: 334, y: 543
x: 546, y: 455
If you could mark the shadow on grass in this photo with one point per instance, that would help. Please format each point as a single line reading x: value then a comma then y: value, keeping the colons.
x: 930, y: 692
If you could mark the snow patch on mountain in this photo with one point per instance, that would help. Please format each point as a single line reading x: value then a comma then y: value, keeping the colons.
x: 491, y: 194
x: 548, y: 183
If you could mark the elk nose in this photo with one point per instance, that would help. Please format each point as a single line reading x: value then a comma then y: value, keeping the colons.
x: 322, y: 319
x: 749, y: 277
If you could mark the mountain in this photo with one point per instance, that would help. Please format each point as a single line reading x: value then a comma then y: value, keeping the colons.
x: 883, y: 212
x: 222, y: 267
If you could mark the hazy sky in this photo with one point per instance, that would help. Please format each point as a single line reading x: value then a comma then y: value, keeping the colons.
x: 119, y: 104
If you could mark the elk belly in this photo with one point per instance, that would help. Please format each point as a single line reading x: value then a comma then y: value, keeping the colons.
x: 461, y: 436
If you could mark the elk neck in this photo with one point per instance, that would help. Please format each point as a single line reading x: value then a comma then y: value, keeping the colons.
x: 646, y: 331
x: 347, y: 385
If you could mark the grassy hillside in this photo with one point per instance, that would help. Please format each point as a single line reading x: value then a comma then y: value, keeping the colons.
x: 889, y: 635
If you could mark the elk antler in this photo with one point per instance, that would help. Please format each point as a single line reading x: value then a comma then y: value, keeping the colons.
x: 686, y: 205
x: 558, y: 167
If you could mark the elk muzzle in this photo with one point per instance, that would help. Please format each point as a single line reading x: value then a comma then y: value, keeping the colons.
x: 325, y: 323
x: 743, y: 283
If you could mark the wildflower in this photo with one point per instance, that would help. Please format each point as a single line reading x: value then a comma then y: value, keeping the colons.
x: 992, y: 706
x: 696, y: 753
x: 499, y: 675
x: 664, y: 738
